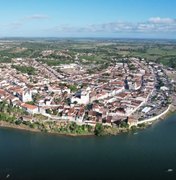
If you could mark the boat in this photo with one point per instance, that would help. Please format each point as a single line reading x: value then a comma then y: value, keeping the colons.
x: 169, y: 170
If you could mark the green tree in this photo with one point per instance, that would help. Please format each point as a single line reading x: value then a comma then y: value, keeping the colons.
x: 18, y: 122
x: 73, y: 88
x: 72, y: 126
x: 99, y: 129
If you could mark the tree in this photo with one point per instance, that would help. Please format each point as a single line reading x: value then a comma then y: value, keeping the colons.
x: 25, y: 69
x: 75, y: 102
x: 68, y: 101
x: 30, y: 102
x: 96, y: 101
x: 89, y: 106
x: 72, y: 126
x: 99, y: 129
x: 124, y: 124
x: 49, y: 111
x: 18, y: 122
x: 73, y: 88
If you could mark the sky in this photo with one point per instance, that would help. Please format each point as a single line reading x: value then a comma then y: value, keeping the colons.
x: 88, y: 18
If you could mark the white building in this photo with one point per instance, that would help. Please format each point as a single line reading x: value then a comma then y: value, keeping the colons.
x: 116, y: 91
x: 84, y: 98
x: 31, y: 109
x: 26, y: 95
x: 146, y: 109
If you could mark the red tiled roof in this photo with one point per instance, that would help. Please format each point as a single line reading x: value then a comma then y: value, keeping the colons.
x: 28, y: 106
x: 2, y: 92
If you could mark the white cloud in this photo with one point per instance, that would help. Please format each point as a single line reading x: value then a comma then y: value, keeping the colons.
x: 145, y: 27
x: 19, y: 23
x: 152, y: 25
x: 159, y: 20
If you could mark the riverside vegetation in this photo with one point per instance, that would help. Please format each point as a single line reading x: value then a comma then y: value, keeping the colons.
x: 14, y: 117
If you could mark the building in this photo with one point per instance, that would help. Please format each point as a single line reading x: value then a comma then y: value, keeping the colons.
x: 26, y: 95
x: 81, y: 98
x: 31, y: 109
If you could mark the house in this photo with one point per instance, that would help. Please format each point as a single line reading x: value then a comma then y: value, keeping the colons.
x: 25, y: 95
x: 3, y: 94
x: 32, y: 109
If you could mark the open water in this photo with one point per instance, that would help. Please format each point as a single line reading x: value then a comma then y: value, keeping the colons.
x: 147, y: 154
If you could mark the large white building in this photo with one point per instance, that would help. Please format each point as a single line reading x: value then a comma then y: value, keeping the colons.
x: 83, y: 99
x: 26, y: 95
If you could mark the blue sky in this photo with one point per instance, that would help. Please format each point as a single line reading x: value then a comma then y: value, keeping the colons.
x: 88, y: 18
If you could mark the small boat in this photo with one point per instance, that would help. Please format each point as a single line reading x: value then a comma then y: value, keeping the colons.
x: 135, y: 133
x: 7, y: 176
x: 169, y: 170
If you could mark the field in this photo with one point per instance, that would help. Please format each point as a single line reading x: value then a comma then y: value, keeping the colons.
x: 100, y: 52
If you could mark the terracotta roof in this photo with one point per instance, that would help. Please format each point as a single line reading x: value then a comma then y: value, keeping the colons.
x: 2, y: 92
x: 117, y: 82
x: 28, y: 106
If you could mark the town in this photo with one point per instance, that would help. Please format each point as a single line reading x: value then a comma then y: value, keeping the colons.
x: 127, y: 92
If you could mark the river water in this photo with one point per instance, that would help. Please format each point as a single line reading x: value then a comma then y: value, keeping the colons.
x: 147, y: 154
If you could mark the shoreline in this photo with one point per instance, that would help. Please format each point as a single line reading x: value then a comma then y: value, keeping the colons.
x: 164, y: 114
x: 8, y: 125
x: 171, y: 109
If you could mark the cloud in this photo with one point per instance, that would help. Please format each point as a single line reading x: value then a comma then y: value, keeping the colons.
x: 158, y: 20
x: 21, y: 22
x: 36, y: 17
x: 152, y: 25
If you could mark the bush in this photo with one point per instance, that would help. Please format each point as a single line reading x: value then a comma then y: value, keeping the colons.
x: 18, y: 122
x: 32, y: 126
x: 72, y: 126
x: 123, y: 124
x: 27, y: 123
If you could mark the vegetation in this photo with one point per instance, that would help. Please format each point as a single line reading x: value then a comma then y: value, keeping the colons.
x: 123, y: 124
x: 14, y: 115
x: 30, y: 102
x: 143, y: 125
x: 73, y: 88
x: 99, y: 130
x: 92, y: 52
x: 25, y: 69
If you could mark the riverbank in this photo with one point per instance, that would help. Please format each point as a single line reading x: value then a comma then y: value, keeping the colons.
x: 170, y: 108
x: 4, y: 124
x: 105, y: 130
x: 72, y: 129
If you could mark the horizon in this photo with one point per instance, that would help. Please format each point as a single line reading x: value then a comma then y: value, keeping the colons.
x: 137, y: 19
x: 86, y: 37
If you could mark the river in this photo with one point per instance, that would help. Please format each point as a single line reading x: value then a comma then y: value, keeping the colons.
x: 147, y: 154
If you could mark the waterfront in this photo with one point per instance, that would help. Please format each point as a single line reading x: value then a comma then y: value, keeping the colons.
x: 147, y: 154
